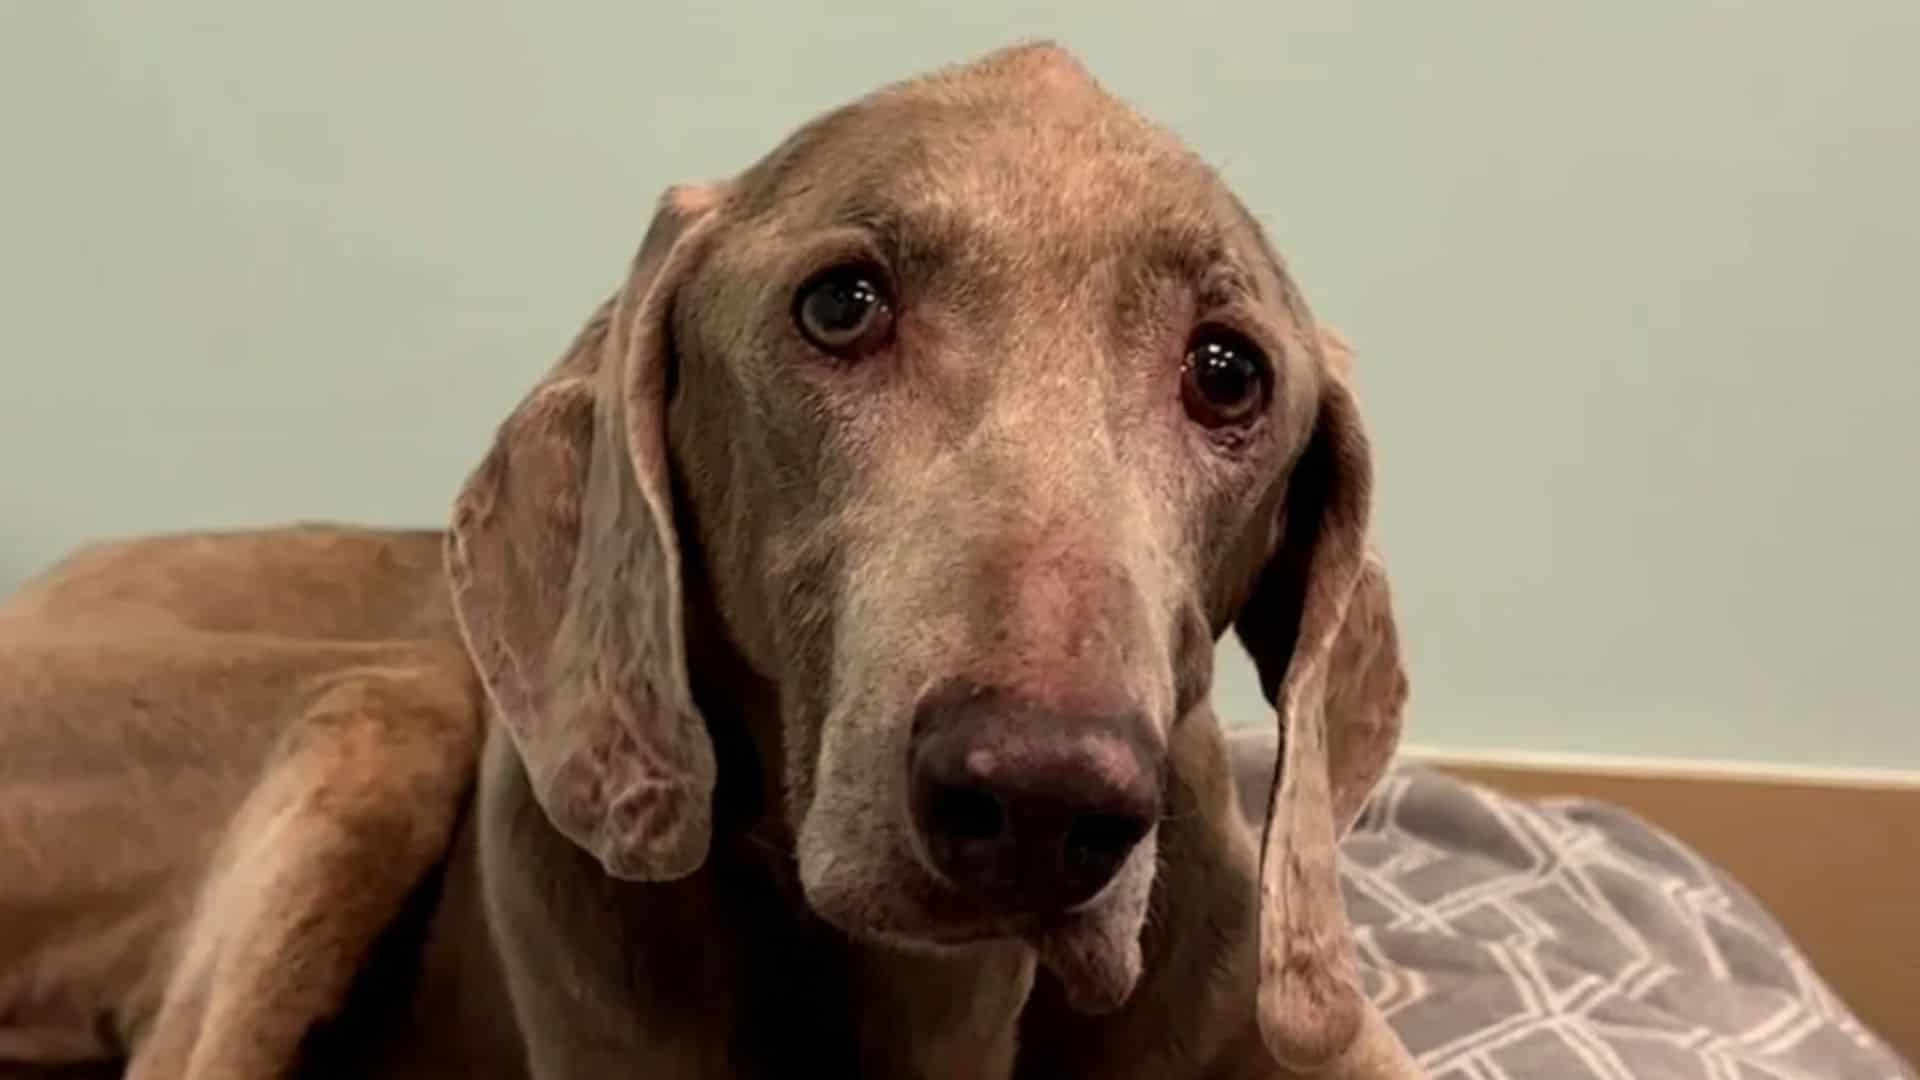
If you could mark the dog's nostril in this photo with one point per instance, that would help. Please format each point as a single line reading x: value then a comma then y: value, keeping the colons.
x: 1102, y: 840
x: 968, y: 814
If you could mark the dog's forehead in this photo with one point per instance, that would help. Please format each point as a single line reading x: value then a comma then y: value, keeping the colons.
x: 1023, y: 144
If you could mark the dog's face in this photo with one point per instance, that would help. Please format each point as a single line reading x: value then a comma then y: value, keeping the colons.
x: 980, y: 384
x: 983, y: 405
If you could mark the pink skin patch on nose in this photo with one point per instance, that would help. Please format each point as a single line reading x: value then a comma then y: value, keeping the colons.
x: 1107, y: 760
x: 983, y: 762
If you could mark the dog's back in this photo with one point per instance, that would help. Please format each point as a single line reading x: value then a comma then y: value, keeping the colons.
x: 306, y: 582
x: 150, y: 690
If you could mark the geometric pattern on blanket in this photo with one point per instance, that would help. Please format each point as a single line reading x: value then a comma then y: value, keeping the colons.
x: 1559, y: 939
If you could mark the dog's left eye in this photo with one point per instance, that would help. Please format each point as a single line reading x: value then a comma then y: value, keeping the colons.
x: 1224, y: 380
x: 845, y: 311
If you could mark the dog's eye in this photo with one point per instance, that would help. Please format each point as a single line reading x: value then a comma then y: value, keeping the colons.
x: 845, y: 311
x: 1224, y: 380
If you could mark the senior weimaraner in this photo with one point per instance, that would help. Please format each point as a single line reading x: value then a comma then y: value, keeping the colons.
x: 813, y: 680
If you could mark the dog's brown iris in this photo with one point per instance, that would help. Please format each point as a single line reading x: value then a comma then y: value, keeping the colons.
x: 845, y: 311
x: 1224, y: 379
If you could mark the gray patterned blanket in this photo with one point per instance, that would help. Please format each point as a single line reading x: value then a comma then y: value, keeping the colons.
x: 1565, y: 939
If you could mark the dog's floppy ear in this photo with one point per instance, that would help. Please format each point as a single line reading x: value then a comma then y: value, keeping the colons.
x: 565, y: 573
x: 1319, y: 626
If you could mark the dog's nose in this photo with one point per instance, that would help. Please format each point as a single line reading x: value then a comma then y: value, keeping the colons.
x: 1029, y: 809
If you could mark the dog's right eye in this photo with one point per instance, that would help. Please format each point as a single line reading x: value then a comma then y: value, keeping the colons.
x: 845, y: 311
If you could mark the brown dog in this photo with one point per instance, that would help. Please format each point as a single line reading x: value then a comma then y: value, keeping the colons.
x: 821, y: 688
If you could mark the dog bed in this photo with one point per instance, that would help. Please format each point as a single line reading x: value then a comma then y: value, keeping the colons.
x: 1511, y: 939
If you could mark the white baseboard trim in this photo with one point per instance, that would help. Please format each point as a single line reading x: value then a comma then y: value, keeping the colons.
x: 1630, y: 765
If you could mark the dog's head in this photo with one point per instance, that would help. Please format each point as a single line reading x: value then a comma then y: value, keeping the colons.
x: 974, y: 414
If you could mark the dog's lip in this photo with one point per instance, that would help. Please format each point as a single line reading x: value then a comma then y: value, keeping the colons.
x: 944, y: 917
x: 1093, y: 949
x: 1031, y: 932
x: 1029, y: 928
x: 927, y: 911
x: 967, y: 925
x: 955, y: 923
x: 954, y: 918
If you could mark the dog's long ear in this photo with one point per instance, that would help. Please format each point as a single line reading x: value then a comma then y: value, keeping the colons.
x: 1319, y: 626
x: 565, y: 571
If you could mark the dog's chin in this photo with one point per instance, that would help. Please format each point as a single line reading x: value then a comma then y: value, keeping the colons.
x: 1094, y: 950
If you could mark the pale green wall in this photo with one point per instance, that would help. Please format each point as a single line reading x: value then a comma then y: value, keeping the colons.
x: 1634, y: 284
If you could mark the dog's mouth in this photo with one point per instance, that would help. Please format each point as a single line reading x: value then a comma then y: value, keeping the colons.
x: 1093, y: 949
x: 1095, y: 956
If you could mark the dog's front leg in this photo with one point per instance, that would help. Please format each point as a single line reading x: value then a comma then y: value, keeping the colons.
x: 355, y: 805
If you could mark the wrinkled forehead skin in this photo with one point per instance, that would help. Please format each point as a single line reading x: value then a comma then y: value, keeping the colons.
x: 1012, y: 173
x: 1012, y: 142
